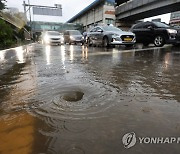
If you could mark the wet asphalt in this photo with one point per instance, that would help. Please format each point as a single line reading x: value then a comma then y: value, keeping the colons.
x: 73, y: 99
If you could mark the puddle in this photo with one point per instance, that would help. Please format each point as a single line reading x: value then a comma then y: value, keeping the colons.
x: 76, y: 126
x: 71, y: 107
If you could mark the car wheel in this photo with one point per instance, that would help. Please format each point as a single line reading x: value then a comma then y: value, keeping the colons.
x: 159, y: 41
x: 105, y: 42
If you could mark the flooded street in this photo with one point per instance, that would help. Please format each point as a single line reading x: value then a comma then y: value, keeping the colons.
x: 71, y: 99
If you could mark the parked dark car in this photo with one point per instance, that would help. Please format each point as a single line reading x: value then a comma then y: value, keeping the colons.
x: 110, y: 35
x: 155, y: 32
x: 73, y: 36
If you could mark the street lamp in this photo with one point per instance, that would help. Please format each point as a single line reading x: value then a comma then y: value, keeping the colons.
x: 59, y: 6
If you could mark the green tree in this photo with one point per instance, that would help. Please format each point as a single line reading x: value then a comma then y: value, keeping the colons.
x: 6, y: 35
x: 2, y: 4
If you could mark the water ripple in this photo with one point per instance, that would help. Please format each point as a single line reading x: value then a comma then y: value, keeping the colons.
x: 78, y: 101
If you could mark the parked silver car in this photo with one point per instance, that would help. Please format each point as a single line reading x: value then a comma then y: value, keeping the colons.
x: 52, y: 37
x: 110, y: 35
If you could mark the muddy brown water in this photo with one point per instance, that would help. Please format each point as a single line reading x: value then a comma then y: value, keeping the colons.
x: 79, y: 100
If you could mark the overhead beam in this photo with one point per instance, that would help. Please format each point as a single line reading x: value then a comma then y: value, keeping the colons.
x: 140, y: 9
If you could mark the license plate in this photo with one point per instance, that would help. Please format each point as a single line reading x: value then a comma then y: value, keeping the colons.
x: 127, y: 39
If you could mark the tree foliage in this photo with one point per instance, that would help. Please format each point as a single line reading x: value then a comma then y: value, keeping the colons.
x: 6, y: 34
x: 2, y: 4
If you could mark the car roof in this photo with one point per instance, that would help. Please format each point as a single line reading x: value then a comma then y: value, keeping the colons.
x: 100, y: 26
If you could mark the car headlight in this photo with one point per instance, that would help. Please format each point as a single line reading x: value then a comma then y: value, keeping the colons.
x: 62, y: 38
x: 172, y: 31
x: 46, y: 38
x: 71, y: 37
x: 115, y: 35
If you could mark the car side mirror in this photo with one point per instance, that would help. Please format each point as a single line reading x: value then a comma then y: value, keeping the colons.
x: 100, y: 30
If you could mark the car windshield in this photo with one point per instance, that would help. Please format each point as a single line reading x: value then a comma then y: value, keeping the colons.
x: 111, y: 28
x: 161, y: 25
x: 53, y: 33
x: 75, y: 32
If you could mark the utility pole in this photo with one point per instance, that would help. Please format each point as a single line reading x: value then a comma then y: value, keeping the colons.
x: 42, y: 10
x: 25, y: 12
x: 29, y: 12
x: 24, y: 4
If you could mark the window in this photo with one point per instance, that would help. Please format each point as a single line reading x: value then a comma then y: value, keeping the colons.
x: 161, y: 25
x: 146, y: 25
x: 93, y: 30
x: 75, y: 32
x: 109, y: 21
x: 111, y: 28
x: 138, y: 26
x: 98, y: 28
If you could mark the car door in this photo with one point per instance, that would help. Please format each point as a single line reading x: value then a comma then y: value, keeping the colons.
x: 99, y: 35
x: 137, y: 30
x: 148, y: 32
x: 91, y: 35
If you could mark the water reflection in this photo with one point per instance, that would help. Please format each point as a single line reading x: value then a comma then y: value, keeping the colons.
x: 20, y: 54
x: 18, y: 133
x: 71, y: 52
x: 2, y: 55
x: 84, y: 53
x: 167, y: 60
x: 63, y: 58
x: 48, y: 54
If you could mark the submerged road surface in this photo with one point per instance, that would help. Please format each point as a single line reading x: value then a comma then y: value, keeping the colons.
x: 78, y: 100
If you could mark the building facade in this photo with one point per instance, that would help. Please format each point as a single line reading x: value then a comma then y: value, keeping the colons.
x: 175, y: 19
x: 100, y: 11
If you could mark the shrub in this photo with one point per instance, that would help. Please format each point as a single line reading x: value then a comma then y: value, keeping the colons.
x: 6, y: 35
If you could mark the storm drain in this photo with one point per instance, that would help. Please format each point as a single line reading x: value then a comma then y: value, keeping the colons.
x: 73, y: 96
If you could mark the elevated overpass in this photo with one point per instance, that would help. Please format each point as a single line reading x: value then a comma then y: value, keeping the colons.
x: 118, y: 2
x: 133, y: 10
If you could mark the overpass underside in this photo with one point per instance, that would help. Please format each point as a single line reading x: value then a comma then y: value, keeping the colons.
x: 140, y: 9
